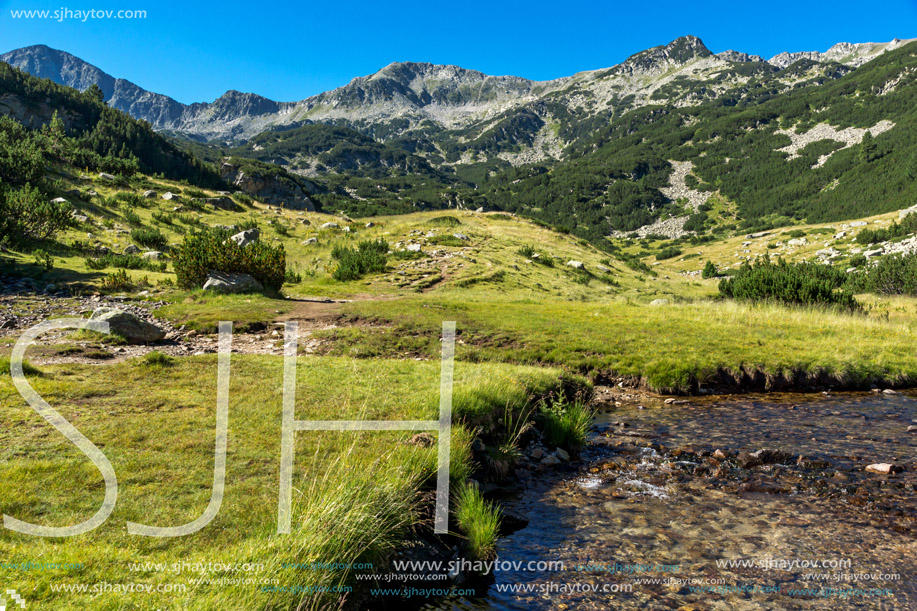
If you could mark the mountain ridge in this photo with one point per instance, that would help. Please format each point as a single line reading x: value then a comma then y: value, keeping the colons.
x: 448, y: 95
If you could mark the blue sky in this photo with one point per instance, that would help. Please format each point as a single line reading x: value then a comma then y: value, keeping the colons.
x: 287, y: 51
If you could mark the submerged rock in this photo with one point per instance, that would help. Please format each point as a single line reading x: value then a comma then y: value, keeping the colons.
x: 885, y: 467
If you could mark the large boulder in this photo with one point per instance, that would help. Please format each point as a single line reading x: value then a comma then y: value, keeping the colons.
x: 131, y: 250
x: 231, y: 283
x: 129, y: 326
x: 244, y: 238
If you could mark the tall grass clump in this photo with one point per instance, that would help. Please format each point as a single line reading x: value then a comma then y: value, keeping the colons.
x: 369, y: 257
x: 157, y: 360
x: 565, y: 423
x: 27, y: 368
x: 479, y: 521
x: 354, y: 513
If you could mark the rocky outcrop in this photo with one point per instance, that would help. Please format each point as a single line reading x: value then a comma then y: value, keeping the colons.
x: 848, y: 54
x: 270, y: 187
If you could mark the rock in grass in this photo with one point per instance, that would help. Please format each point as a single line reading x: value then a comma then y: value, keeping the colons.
x: 309, y: 242
x: 231, y: 283
x: 131, y: 250
x: 329, y: 226
x: 659, y: 302
x: 105, y: 176
x: 884, y: 467
x: 149, y: 194
x: 132, y: 328
x: 575, y: 264
x: 562, y: 454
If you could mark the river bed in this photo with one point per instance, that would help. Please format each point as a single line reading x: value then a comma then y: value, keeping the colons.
x: 673, y: 506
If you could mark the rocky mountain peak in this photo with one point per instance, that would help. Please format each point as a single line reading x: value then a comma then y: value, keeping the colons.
x: 659, y: 59
x: 246, y: 104
x: 61, y: 67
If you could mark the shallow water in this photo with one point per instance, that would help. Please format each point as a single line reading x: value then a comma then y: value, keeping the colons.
x: 651, y: 494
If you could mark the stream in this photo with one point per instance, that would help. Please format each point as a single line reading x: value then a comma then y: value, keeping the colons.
x: 674, y: 506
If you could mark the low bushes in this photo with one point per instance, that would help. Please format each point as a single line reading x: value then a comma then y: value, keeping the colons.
x: 149, y: 237
x: 668, y: 252
x: 203, y: 252
x: 370, y: 256
x: 789, y: 283
x: 26, y: 215
x: 892, y: 275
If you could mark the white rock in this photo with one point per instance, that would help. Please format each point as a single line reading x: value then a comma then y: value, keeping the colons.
x: 231, y: 283
x: 244, y: 238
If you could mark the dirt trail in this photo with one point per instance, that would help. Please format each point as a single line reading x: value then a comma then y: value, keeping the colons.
x: 312, y: 314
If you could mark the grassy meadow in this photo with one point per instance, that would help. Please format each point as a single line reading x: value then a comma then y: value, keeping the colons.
x: 528, y: 324
x: 354, y: 493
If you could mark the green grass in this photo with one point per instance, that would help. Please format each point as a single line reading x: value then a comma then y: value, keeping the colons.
x: 203, y: 311
x: 479, y: 521
x: 565, y: 423
x: 27, y: 368
x: 670, y: 348
x: 354, y: 493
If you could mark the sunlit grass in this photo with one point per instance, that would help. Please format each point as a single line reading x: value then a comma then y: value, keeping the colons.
x: 354, y: 493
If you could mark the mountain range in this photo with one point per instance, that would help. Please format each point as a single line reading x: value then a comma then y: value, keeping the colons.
x: 675, y: 141
x: 403, y: 96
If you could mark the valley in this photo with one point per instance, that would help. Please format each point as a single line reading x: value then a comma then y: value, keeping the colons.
x: 685, y: 296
